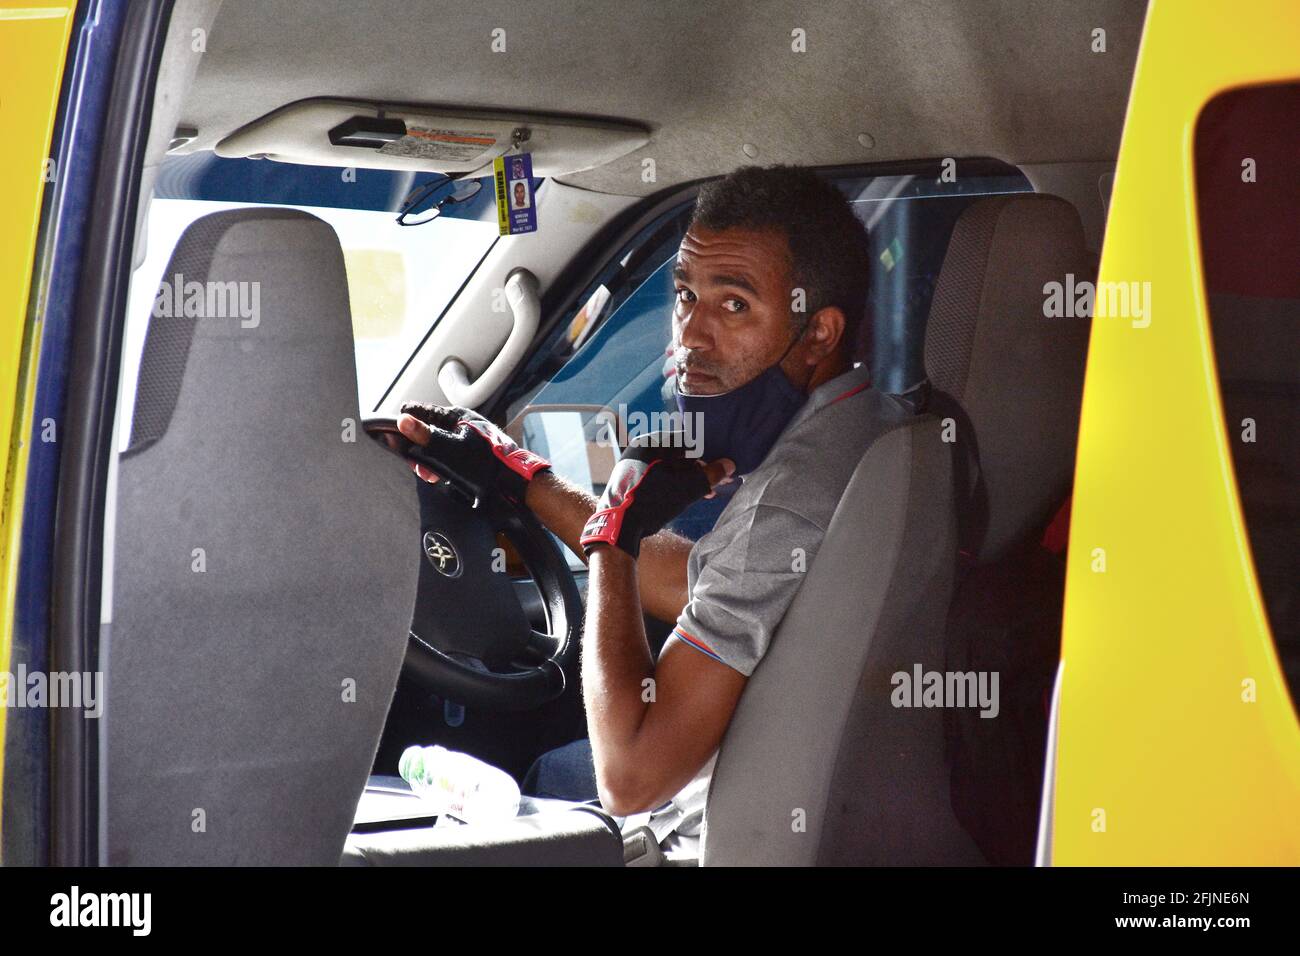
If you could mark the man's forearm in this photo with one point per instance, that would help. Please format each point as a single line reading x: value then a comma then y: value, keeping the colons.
x: 560, y: 505
x: 564, y: 508
x: 616, y: 664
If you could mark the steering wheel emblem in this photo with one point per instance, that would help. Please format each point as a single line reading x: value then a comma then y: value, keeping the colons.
x: 441, y: 554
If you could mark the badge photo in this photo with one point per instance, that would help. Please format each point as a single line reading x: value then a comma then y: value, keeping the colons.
x: 516, y: 212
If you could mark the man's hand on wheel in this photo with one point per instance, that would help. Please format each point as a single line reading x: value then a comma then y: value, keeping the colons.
x: 478, y: 457
x: 652, y: 483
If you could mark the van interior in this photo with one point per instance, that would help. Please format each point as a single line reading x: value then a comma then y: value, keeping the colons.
x: 279, y: 687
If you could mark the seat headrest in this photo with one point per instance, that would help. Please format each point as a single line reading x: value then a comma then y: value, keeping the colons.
x: 247, y: 282
x: 1006, y: 366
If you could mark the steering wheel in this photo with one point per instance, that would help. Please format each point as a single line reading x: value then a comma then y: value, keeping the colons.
x: 471, y: 641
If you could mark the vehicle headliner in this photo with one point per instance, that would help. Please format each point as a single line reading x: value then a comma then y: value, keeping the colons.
x: 922, y: 78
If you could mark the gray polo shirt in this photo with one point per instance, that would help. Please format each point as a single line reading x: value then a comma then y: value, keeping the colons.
x: 744, y: 573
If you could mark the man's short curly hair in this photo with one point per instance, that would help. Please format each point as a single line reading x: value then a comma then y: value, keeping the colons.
x: 830, y: 254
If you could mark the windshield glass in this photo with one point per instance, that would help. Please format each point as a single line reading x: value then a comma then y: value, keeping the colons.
x: 400, y: 279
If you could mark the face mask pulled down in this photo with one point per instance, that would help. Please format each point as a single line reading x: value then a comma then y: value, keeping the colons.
x: 744, y: 423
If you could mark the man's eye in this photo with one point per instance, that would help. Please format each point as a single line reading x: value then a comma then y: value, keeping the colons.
x: 685, y: 295
x: 735, y: 305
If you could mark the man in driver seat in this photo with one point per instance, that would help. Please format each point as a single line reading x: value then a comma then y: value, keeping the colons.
x: 771, y: 286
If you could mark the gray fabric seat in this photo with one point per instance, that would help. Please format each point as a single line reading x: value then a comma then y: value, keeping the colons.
x: 818, y: 766
x: 1011, y: 376
x: 1015, y: 462
x: 261, y: 594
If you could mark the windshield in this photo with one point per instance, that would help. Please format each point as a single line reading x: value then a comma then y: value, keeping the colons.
x: 400, y: 279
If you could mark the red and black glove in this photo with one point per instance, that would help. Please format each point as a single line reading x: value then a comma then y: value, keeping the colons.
x: 651, y: 484
x: 473, y: 454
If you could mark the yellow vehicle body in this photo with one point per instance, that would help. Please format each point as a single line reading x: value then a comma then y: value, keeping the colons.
x: 33, y: 46
x: 1176, y: 742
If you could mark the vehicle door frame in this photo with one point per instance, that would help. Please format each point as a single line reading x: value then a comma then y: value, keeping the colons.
x: 78, y: 307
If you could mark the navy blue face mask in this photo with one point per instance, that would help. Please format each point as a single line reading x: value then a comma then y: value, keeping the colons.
x: 744, y: 423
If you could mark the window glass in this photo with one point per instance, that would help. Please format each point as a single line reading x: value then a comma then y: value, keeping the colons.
x: 400, y: 279
x: 1248, y: 204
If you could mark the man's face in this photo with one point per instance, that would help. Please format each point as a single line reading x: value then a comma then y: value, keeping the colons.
x: 519, y: 194
x: 732, y: 316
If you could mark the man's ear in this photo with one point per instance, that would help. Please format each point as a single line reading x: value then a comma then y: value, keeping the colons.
x: 824, y: 333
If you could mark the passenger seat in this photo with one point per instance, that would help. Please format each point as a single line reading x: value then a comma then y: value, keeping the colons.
x: 1009, y: 380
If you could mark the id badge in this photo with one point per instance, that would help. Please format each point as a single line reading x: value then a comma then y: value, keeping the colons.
x: 516, y: 210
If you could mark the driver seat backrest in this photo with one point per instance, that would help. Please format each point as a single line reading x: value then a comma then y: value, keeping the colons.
x: 824, y: 761
x: 817, y: 766
x: 261, y: 594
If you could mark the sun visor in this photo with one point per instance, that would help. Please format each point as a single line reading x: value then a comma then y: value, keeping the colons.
x: 334, y: 132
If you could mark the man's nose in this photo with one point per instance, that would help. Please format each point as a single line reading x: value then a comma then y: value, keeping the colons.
x: 695, y: 329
